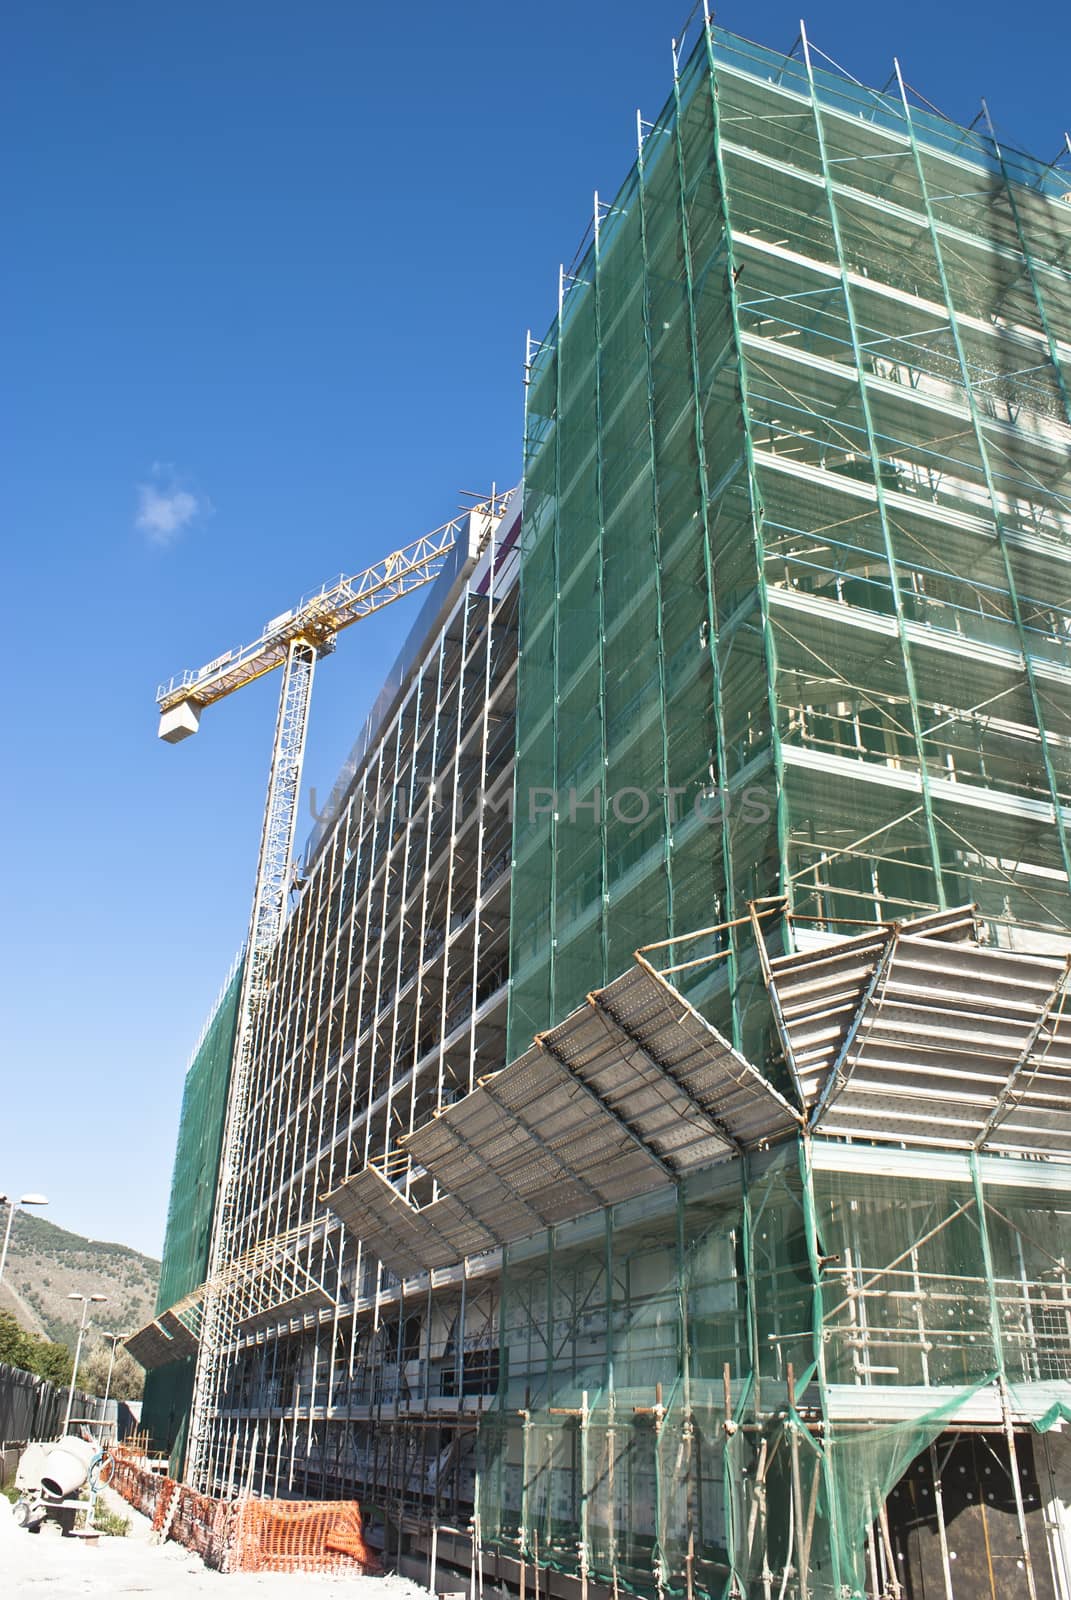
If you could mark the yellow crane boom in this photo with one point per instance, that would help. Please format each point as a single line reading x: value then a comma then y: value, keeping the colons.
x: 316, y: 619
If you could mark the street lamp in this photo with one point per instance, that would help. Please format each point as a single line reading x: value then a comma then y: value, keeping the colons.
x: 116, y: 1339
x: 11, y: 1203
x: 87, y: 1301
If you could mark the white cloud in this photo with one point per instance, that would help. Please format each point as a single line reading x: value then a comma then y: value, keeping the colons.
x: 164, y: 508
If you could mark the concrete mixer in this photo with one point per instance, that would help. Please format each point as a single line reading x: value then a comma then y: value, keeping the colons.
x: 51, y: 1479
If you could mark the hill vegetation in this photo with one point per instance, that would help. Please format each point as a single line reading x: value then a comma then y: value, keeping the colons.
x: 45, y: 1265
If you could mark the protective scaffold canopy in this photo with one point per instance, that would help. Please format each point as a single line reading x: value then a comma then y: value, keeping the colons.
x: 712, y: 1378
x: 153, y: 1346
x: 950, y: 1045
x: 631, y: 1091
x: 265, y: 1284
x: 915, y: 1033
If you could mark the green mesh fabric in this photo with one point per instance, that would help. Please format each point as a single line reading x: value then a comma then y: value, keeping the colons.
x: 165, y: 1412
x: 797, y: 493
x: 849, y: 1318
x: 168, y: 1390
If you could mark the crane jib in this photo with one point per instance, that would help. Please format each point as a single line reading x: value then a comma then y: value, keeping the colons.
x: 319, y: 617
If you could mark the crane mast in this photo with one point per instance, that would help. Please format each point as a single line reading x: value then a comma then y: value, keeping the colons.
x: 293, y: 641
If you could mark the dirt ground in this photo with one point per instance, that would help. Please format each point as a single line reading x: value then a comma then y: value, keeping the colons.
x: 56, y: 1568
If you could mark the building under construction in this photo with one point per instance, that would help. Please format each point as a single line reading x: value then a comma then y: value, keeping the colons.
x: 646, y: 1142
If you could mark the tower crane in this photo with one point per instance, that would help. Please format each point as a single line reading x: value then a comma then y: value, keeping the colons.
x: 293, y: 641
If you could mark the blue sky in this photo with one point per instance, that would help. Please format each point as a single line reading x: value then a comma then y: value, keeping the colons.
x: 267, y: 274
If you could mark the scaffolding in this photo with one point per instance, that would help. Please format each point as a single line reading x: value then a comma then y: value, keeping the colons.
x: 746, y: 1322
x: 794, y: 610
x: 740, y: 1267
x: 383, y: 999
x: 716, y: 1392
x: 714, y: 1387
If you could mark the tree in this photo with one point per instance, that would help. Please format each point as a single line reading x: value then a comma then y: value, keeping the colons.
x: 128, y: 1380
x: 52, y: 1361
x: 40, y: 1356
x: 14, y: 1342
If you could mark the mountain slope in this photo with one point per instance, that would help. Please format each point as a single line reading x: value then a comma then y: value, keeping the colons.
x: 46, y: 1263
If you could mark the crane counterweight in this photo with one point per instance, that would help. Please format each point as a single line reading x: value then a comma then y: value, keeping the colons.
x: 179, y: 722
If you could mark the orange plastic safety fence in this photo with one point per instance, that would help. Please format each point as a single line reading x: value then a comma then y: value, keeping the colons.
x: 249, y: 1535
x: 299, y: 1536
x: 202, y: 1525
x: 145, y: 1490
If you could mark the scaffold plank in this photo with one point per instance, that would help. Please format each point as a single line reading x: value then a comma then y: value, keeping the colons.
x: 930, y: 1041
x: 152, y: 1347
x: 298, y: 1305
x: 533, y: 1132
x: 184, y: 1341
x: 820, y: 991
x: 406, y: 1240
x: 740, y: 1104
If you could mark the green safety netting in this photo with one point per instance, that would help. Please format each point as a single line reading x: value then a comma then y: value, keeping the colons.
x: 711, y: 1390
x: 797, y: 487
x: 169, y: 1389
x: 797, y: 522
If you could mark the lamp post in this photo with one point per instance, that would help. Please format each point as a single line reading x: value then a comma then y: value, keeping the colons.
x: 87, y: 1301
x: 12, y: 1204
x: 116, y: 1340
